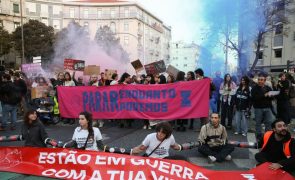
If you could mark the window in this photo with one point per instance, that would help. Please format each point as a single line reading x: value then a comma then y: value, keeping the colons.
x: 15, y: 8
x: 113, y: 27
x: 113, y: 13
x: 56, y: 10
x: 185, y: 65
x: 72, y: 13
x: 294, y: 35
x: 99, y: 13
x: 45, y: 21
x: 126, y: 26
x: 16, y: 24
x: 85, y: 13
x: 126, y: 12
x: 1, y: 23
x: 279, y: 29
x: 260, y: 56
x: 185, y: 58
x: 56, y: 24
x: 44, y: 10
x: 31, y: 7
x: 126, y: 40
x: 278, y: 53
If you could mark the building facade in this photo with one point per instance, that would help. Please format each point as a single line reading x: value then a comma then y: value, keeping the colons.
x: 142, y: 35
x: 184, y: 56
x: 278, y: 46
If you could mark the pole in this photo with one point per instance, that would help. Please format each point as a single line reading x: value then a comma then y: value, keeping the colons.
x: 22, y: 32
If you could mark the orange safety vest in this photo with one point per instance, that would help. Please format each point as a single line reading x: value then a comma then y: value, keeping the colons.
x: 286, y: 146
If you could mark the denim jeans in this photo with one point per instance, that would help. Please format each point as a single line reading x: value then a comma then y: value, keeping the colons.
x: 213, y: 105
x: 6, y: 109
x: 241, y: 122
x: 263, y: 115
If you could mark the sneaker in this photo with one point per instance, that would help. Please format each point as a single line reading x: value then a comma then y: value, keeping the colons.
x: 211, y: 159
x: 149, y: 127
x: 228, y: 157
x: 244, y: 134
x: 236, y: 133
x: 144, y: 127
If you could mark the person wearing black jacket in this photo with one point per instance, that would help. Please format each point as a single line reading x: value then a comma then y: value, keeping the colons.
x: 33, y: 130
x: 261, y: 100
x: 277, y: 147
x: 22, y: 88
x: 10, y: 97
x: 283, y: 99
x: 242, y: 104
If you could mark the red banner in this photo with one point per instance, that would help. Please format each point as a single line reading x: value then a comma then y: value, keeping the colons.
x: 78, y: 164
x: 181, y: 100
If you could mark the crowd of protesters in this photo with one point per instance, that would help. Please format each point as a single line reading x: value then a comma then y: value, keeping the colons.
x: 232, y: 98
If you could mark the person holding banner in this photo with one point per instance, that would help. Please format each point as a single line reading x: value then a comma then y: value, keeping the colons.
x: 213, y: 140
x: 157, y: 145
x: 125, y: 79
x: 33, y: 131
x: 68, y: 80
x: 277, y: 147
x: 86, y: 136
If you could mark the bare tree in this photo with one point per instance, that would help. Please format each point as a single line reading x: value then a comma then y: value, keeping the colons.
x: 271, y: 13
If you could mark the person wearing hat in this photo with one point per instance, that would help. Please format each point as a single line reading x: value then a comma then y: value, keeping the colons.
x: 277, y: 147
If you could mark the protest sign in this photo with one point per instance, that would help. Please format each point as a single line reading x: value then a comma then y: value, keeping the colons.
x: 74, y: 65
x: 78, y: 164
x: 182, y: 100
x: 172, y: 70
x: 108, y: 73
x: 155, y: 67
x: 137, y: 65
x: 92, y: 70
x: 31, y: 69
x: 38, y: 92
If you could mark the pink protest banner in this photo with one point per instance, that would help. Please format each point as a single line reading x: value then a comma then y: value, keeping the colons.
x: 181, y: 100
x: 79, y: 164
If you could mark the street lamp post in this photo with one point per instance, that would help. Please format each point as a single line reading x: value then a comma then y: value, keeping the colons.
x: 22, y: 32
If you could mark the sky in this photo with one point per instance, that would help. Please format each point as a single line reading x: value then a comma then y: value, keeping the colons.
x: 187, y: 19
x: 184, y: 16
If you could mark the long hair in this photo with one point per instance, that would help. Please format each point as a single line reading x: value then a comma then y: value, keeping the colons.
x: 124, y: 76
x: 88, y: 117
x: 26, y: 117
x: 162, y: 79
x: 225, y: 82
x: 180, y: 76
x: 152, y: 79
x: 70, y: 78
x: 247, y: 81
x: 192, y: 75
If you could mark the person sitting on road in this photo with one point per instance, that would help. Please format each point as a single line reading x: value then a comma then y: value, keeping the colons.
x: 157, y: 145
x: 213, y: 141
x: 277, y: 147
x: 86, y: 136
x: 33, y: 131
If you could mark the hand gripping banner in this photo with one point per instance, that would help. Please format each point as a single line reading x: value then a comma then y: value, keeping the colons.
x: 79, y: 164
x: 181, y: 100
